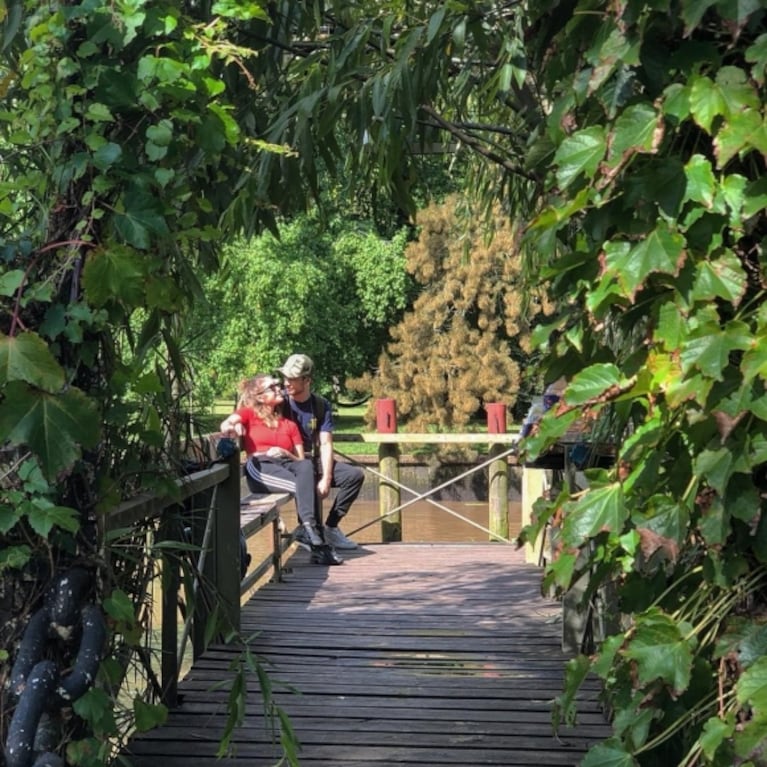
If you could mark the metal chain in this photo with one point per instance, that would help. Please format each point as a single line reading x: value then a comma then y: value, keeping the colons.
x: 77, y: 630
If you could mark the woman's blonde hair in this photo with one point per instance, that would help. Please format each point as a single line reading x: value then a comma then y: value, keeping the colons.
x: 250, y: 389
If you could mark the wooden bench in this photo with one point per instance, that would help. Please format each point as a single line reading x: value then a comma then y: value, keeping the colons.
x: 256, y: 512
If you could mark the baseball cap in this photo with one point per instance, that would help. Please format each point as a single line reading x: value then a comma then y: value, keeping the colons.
x: 297, y: 366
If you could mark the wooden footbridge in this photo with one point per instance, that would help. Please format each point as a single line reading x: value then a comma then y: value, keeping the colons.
x: 420, y: 655
x: 410, y: 655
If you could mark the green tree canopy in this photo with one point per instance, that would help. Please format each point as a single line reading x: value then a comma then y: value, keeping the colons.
x: 330, y: 293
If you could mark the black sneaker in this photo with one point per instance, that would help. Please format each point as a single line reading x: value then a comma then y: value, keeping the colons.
x: 308, y: 537
x: 301, y: 537
x: 324, y: 555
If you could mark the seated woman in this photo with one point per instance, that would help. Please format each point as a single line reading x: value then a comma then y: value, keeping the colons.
x: 275, y: 451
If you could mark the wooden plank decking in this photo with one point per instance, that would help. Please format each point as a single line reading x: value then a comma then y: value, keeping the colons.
x: 417, y: 655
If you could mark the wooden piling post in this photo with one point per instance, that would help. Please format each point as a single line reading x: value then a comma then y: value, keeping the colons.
x: 389, y: 496
x: 498, y: 474
x: 533, y: 487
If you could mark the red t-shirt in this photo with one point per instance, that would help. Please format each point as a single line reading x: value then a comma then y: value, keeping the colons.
x: 259, y: 437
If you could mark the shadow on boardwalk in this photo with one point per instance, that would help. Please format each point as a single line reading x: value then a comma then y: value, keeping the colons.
x: 422, y: 655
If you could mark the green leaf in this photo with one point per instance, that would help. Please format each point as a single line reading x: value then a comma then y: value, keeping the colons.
x: 160, y: 134
x: 753, y: 645
x: 14, y: 557
x: 239, y: 9
x: 670, y: 327
x: 115, y: 274
x: 10, y: 281
x: 692, y: 11
x: 709, y: 349
x: 660, y: 251
x: 95, y: 707
x: 660, y: 651
x: 598, y: 510
x: 43, y: 517
x: 715, y: 732
x: 107, y: 155
x: 550, y: 428
x: 714, y: 527
x: 701, y: 184
x: 611, y: 753
x: 743, y: 132
x: 99, y: 113
x: 580, y: 153
x: 756, y: 55
x: 676, y: 101
x: 715, y: 466
x: 706, y: 102
x: 565, y: 707
x: 562, y: 568
x: 118, y: 605
x: 595, y: 382
x: 666, y: 518
x: 634, y: 130
x: 733, y: 189
x: 722, y: 277
x: 142, y: 218
x: 738, y: 93
x: 54, y: 427
x: 211, y: 134
x: 749, y: 743
x: 155, y: 152
x: 755, y: 359
x: 164, y: 70
x: 751, y: 689
x: 9, y: 516
x: 149, y: 715
x: 435, y: 24
x: 26, y: 357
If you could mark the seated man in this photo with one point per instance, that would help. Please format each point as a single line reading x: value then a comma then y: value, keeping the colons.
x: 314, y: 417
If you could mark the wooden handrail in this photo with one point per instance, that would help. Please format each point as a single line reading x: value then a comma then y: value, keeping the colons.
x: 216, y: 490
x: 438, y: 438
x: 147, y: 506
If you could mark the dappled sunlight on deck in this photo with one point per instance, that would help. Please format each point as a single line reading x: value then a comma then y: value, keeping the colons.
x: 422, y: 655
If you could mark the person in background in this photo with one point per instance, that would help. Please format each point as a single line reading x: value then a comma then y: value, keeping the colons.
x: 276, y: 461
x: 314, y: 417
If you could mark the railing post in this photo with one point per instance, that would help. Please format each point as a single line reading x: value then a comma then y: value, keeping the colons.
x: 226, y: 544
x: 498, y: 474
x: 533, y: 487
x: 169, y: 578
x: 388, y: 466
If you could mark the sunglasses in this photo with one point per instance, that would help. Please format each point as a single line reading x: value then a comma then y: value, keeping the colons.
x: 271, y: 387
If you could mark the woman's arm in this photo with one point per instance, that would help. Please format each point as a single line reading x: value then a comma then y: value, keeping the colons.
x: 232, y: 426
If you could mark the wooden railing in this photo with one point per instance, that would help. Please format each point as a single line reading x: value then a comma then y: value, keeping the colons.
x: 202, y: 520
x: 390, y: 489
x: 206, y: 515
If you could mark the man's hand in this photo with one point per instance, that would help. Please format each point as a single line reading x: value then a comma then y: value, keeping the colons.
x: 323, y: 487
